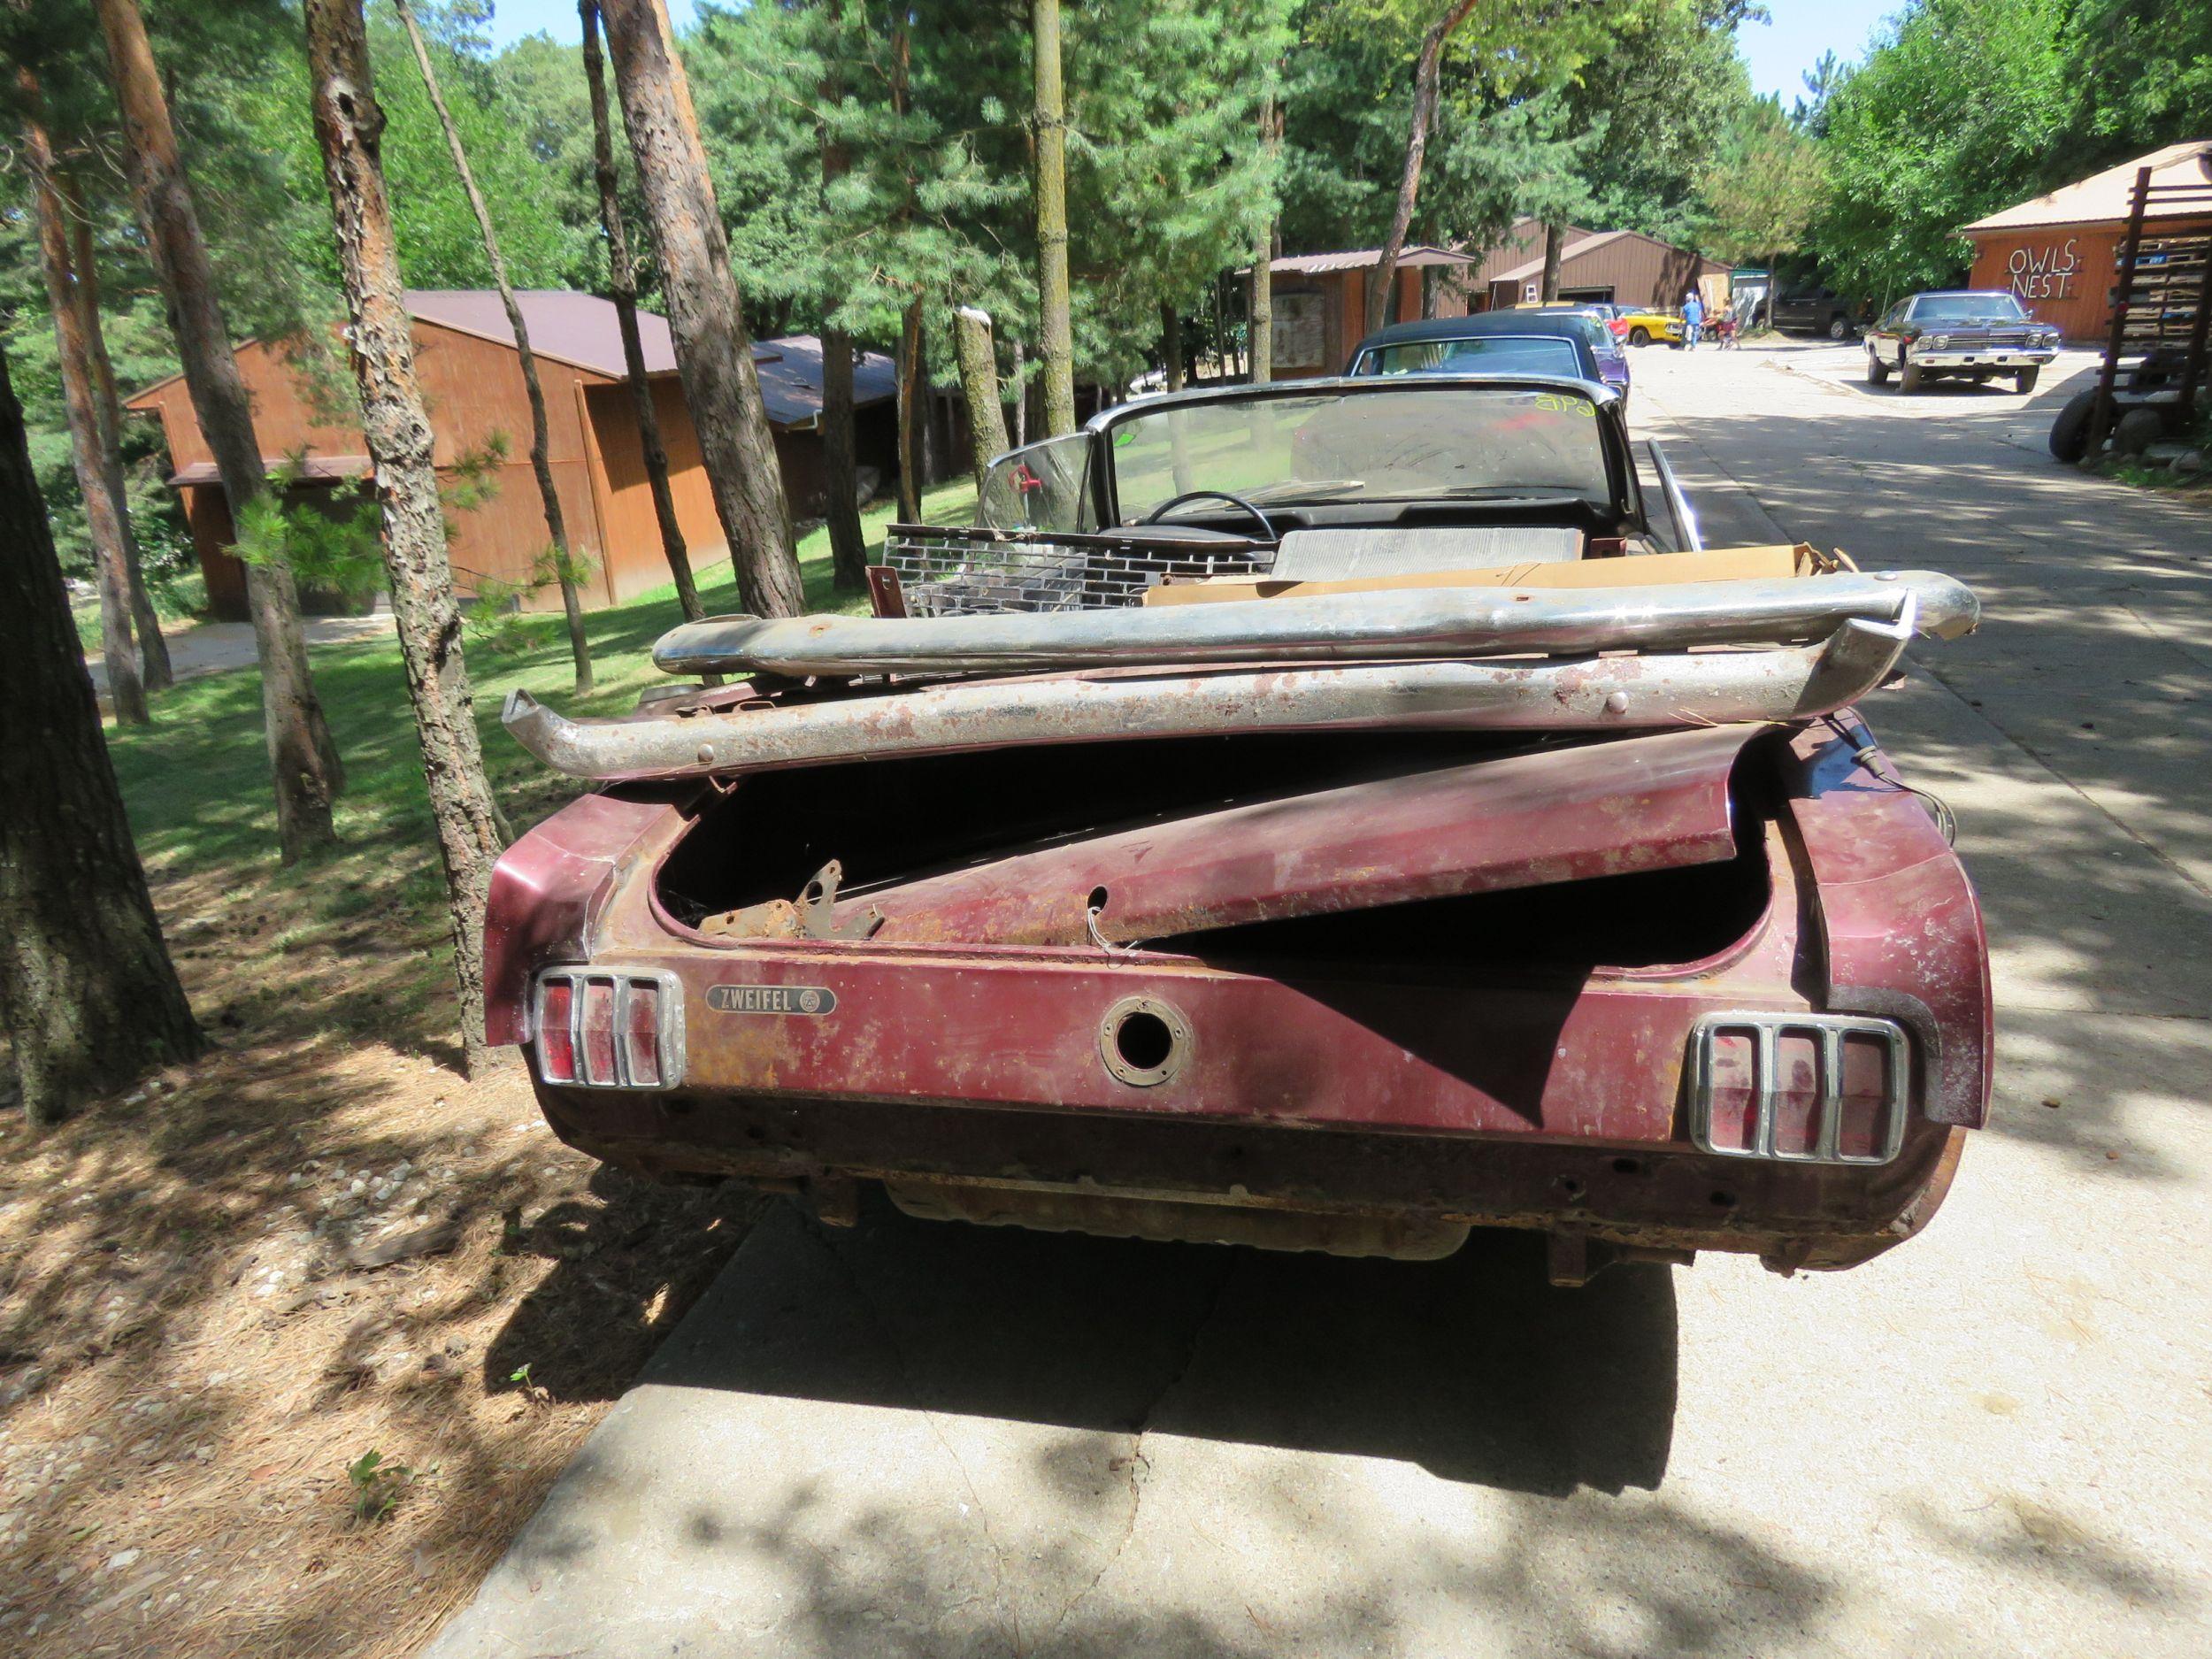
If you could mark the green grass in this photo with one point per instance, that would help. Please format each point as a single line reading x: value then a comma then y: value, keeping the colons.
x: 196, y: 781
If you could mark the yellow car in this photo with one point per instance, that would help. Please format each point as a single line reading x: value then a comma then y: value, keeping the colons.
x: 1636, y: 326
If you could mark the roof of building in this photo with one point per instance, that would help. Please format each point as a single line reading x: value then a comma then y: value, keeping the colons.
x: 584, y: 331
x: 1590, y: 243
x: 1414, y: 254
x: 2110, y: 194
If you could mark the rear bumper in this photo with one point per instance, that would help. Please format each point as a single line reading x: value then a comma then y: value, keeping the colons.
x: 1560, y: 1105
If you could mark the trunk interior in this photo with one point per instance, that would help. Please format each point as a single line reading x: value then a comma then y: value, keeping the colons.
x: 913, y: 819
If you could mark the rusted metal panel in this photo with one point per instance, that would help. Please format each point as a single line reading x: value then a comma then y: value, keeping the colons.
x: 1590, y: 694
x: 1648, y: 802
x: 1391, y: 624
x: 1576, y: 1055
x: 547, y: 888
x: 1899, y: 919
x: 1792, y: 1215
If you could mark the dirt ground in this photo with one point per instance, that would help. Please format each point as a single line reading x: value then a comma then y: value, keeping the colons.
x: 196, y: 1347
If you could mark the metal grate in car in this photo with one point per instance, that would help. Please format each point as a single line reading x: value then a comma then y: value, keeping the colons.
x: 947, y: 571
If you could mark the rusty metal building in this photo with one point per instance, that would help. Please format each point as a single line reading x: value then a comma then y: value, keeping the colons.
x: 472, y: 380
x: 2058, y: 252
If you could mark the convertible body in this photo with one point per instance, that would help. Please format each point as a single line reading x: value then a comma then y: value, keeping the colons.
x: 1201, y: 848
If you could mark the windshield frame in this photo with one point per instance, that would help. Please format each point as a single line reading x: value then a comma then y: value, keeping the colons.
x: 1625, y: 500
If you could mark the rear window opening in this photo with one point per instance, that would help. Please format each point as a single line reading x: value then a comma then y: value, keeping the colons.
x: 893, y: 820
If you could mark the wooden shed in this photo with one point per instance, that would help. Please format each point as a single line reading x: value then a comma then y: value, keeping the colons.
x: 2060, y: 253
x: 1319, y: 308
x: 472, y: 380
x: 1623, y: 267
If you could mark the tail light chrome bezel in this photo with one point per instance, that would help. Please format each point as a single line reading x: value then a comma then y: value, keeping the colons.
x: 1766, y: 1028
x: 627, y: 983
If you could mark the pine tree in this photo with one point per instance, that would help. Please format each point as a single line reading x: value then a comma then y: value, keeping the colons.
x: 622, y: 284
x: 106, y: 514
x: 713, y: 352
x: 88, y: 998
x: 540, y: 458
x: 303, y: 759
x: 348, y: 124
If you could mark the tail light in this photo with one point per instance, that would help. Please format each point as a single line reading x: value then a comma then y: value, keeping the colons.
x: 1802, y: 1088
x: 609, y: 1028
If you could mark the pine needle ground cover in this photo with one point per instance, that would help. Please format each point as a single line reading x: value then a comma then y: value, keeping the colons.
x: 221, y: 1294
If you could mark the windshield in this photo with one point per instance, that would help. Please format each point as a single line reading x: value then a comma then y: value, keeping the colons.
x: 1497, y: 354
x: 1040, y: 487
x: 1408, y: 442
x: 1955, y: 308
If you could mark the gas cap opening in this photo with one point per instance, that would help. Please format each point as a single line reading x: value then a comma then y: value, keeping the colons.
x: 1143, y: 1040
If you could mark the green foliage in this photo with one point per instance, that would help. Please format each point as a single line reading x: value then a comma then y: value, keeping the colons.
x: 1762, y: 186
x: 1167, y: 180
x: 1953, y: 117
x: 331, y: 540
x: 377, y: 1486
x: 495, y: 619
x: 2143, y: 71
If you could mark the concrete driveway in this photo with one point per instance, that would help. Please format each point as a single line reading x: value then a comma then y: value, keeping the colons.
x: 908, y: 1439
x: 208, y: 647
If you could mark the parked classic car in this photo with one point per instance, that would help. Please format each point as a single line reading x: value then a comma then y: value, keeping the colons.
x: 1575, y: 342
x: 1961, y: 335
x: 1640, y: 325
x: 1329, y: 815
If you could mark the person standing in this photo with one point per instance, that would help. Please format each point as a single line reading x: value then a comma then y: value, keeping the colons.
x: 1693, y: 318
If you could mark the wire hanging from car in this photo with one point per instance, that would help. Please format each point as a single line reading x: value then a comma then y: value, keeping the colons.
x: 1870, y: 756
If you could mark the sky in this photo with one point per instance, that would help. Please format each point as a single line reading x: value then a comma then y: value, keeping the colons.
x: 1779, y: 51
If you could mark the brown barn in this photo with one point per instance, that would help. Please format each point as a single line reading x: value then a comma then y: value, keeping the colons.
x: 1320, y: 303
x: 1623, y: 267
x: 2060, y: 253
x: 472, y: 380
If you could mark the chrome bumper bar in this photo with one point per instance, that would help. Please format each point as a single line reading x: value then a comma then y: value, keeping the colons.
x: 1577, y: 694
x: 1401, y: 624
x: 1985, y: 357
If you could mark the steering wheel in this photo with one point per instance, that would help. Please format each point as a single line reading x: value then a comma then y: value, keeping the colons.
x: 1173, y: 503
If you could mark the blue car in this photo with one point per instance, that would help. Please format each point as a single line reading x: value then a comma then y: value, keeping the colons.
x: 1572, y: 342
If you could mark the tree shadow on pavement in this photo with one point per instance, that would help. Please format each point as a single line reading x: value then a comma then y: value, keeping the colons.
x: 1473, y: 1367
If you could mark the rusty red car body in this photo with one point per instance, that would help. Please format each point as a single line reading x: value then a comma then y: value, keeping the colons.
x: 1648, y: 993
x: 1553, y: 1102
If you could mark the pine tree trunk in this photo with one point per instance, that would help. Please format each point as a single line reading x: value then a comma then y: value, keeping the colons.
x: 1055, y: 331
x: 1171, y: 345
x: 979, y: 384
x: 622, y: 284
x: 349, y: 127
x: 840, y: 447
x: 1021, y: 396
x: 1263, y: 265
x: 88, y: 998
x: 102, y: 509
x: 541, y: 443
x: 713, y: 350
x: 909, y: 412
x: 153, y: 650
x: 1554, y: 237
x: 1425, y: 78
x: 303, y: 759
x: 841, y: 467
